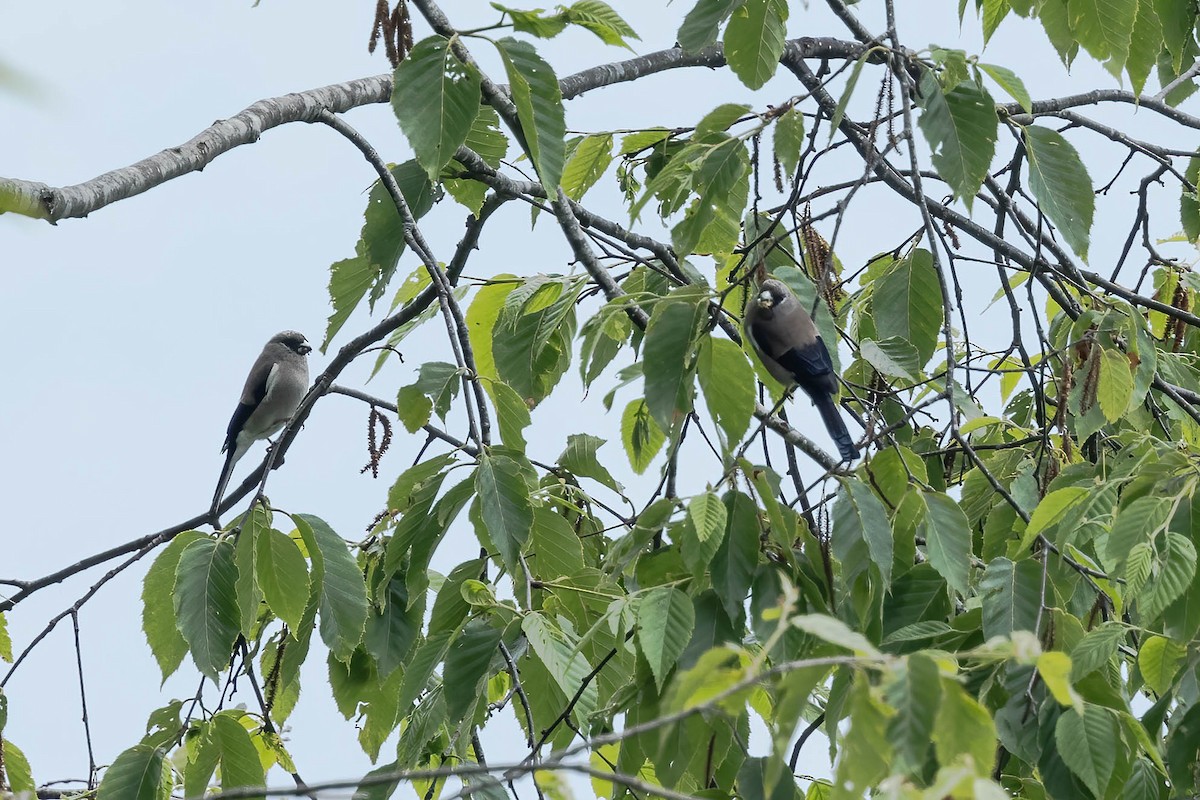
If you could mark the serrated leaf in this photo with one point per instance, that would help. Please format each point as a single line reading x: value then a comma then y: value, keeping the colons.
x: 666, y: 356
x: 964, y: 726
x: 466, y: 667
x: 665, y: 619
x: 836, y: 632
x: 1008, y: 80
x: 907, y: 304
x: 727, y: 380
x: 599, y: 18
x: 587, y: 165
x: 961, y: 127
x: 916, y: 694
x: 580, y: 458
x: 1052, y: 508
x: 1086, y: 741
x: 139, y: 773
x: 1060, y: 182
x: 947, y: 537
x: 702, y: 24
x: 538, y: 99
x: 708, y: 515
x: 512, y: 415
x: 789, y: 138
x: 6, y: 653
x: 240, y: 765
x: 734, y: 564
x: 342, y: 601
x: 283, y: 576
x: 640, y: 434
x: 754, y: 40
x: 1104, y: 28
x: 893, y: 357
x: 1115, y: 387
x: 436, y: 99
x: 1159, y: 660
x: 1011, y: 596
x: 861, y: 530
x: 206, y: 608
x: 504, y: 505
x: 1054, y: 667
x: 566, y: 665
x: 158, y: 610
x: 1173, y: 573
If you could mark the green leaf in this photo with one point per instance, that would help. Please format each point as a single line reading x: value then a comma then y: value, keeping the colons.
x: 737, y: 558
x: 239, y: 758
x: 1115, y: 387
x: 916, y: 694
x: 539, y: 107
x: 482, y: 315
x: 556, y: 550
x: 1159, y: 660
x: 349, y: 280
x: 1053, y: 507
x: 833, y: 630
x: 18, y: 771
x: 1096, y: 649
x: 599, y: 18
x: 505, y: 507
x: 907, y: 303
x: 283, y: 576
x: 249, y: 595
x: 961, y: 128
x: 158, y: 615
x: 1086, y: 741
x: 567, y: 666
x: 710, y: 223
x: 702, y: 24
x: 754, y: 40
x: 964, y: 726
x: 1008, y: 80
x: 343, y: 593
x: 667, y: 356
x: 139, y: 773
x: 6, y: 653
x: 382, y: 236
x: 1061, y: 185
x: 467, y: 666
x: 587, y: 165
x: 861, y: 528
x: 789, y: 138
x: 435, y: 98
x: 893, y: 357
x: 1104, y: 28
x: 534, y: 22
x: 1011, y: 596
x: 392, y: 627
x: 708, y: 515
x: 727, y: 380
x: 1137, y: 523
x: 665, y: 619
x: 1145, y: 44
x: 1173, y: 573
x: 640, y: 434
x: 1189, y: 203
x: 580, y: 459
x: 206, y: 608
x: 512, y: 415
x: 947, y: 538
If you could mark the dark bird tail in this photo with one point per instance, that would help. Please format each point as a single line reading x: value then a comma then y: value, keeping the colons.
x: 835, y: 425
x: 227, y: 470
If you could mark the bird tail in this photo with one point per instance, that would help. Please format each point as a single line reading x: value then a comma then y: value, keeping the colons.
x: 836, y: 426
x: 231, y: 458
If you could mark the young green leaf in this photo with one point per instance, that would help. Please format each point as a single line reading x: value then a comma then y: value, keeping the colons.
x: 283, y: 576
x: 504, y: 505
x: 343, y: 593
x: 664, y: 626
x: 640, y: 434
x: 587, y: 165
x: 140, y: 773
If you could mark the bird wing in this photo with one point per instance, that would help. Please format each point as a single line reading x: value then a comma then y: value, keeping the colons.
x: 258, y: 383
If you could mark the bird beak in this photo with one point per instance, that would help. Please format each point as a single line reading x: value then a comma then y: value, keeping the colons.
x: 764, y: 300
x: 304, y: 349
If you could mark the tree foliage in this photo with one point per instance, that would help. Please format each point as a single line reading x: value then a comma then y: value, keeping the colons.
x: 1000, y: 600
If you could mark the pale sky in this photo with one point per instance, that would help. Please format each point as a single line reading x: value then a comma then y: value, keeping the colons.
x: 127, y: 336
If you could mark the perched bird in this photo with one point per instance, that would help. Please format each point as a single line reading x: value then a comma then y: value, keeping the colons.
x: 785, y: 338
x: 274, y: 389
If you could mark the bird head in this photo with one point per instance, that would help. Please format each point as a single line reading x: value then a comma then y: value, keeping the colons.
x: 294, y: 341
x: 770, y: 293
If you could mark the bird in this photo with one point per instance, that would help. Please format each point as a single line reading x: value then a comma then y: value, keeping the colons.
x: 274, y: 388
x: 787, y: 342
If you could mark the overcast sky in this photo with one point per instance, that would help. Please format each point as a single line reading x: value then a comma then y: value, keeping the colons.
x: 127, y: 336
